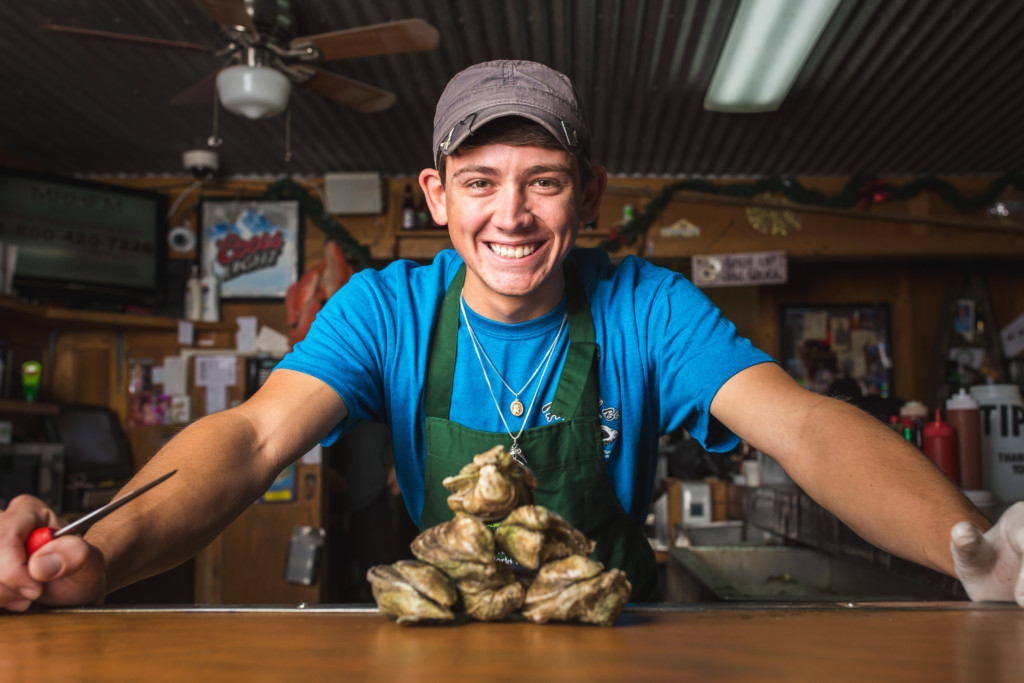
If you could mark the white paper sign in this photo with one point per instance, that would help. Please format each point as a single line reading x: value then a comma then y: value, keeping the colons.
x: 245, y: 338
x: 186, y: 333
x: 1013, y: 337
x: 174, y: 375
x: 216, y: 370
x: 729, y: 270
x: 815, y: 326
x: 315, y: 456
x: 216, y: 398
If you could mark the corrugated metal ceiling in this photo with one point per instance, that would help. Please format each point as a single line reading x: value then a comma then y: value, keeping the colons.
x: 894, y: 88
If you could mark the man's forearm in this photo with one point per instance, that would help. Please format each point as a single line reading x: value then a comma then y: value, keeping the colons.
x: 215, y: 482
x: 881, y: 486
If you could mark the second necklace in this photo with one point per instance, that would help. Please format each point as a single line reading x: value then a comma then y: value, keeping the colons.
x: 516, y: 408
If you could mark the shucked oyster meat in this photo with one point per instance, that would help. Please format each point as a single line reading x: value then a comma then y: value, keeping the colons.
x: 577, y: 587
x: 493, y: 597
x: 532, y: 535
x: 491, y: 486
x: 412, y: 592
x: 462, y: 547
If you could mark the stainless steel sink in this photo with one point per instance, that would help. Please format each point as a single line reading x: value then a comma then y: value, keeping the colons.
x: 781, y: 573
x: 728, y: 532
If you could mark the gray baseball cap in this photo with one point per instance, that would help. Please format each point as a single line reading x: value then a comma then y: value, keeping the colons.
x: 490, y: 90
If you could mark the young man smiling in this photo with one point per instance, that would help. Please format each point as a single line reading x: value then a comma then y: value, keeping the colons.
x: 513, y: 208
x: 573, y: 363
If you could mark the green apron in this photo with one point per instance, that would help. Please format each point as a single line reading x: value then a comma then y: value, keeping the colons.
x: 566, y: 456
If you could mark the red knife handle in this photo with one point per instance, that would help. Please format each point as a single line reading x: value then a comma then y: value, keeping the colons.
x: 38, y: 538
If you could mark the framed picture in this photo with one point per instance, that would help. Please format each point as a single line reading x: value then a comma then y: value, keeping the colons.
x: 823, y: 344
x: 964, y: 323
x: 254, y: 247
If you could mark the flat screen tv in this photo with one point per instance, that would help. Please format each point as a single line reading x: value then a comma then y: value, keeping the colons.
x: 83, y: 244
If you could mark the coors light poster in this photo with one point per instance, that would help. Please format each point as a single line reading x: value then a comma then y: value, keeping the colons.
x: 253, y: 247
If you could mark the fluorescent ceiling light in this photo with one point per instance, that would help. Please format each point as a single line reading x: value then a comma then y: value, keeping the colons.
x: 765, y: 50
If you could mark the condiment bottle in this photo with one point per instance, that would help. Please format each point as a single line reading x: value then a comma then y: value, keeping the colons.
x: 210, y: 294
x: 939, y: 444
x: 194, y: 295
x: 30, y: 372
x: 907, y: 429
x: 963, y: 415
x: 408, y: 210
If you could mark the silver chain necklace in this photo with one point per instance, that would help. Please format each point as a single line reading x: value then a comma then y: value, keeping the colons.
x: 515, y: 451
x: 516, y: 408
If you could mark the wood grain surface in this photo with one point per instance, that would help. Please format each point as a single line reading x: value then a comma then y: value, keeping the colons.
x: 920, y: 642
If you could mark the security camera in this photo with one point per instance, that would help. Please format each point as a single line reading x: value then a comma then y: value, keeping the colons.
x: 202, y: 163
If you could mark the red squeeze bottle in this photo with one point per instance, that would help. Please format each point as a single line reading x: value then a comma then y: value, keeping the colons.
x: 962, y: 412
x: 940, y: 445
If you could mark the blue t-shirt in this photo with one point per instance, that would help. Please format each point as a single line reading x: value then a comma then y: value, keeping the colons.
x: 665, y: 350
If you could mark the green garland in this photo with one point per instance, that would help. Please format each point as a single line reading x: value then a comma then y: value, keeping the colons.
x: 864, y: 190
x: 286, y: 188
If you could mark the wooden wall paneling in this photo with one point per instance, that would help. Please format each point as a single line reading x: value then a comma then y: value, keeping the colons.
x: 87, y: 369
x: 246, y: 564
x: 1006, y: 290
x: 740, y: 305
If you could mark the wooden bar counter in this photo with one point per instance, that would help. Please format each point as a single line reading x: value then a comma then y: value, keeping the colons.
x: 948, y: 641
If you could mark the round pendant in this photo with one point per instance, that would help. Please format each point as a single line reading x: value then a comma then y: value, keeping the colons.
x: 516, y: 408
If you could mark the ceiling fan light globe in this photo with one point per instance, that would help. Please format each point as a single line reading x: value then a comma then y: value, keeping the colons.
x: 255, y: 92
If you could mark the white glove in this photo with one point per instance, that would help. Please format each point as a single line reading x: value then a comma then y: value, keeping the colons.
x: 989, y: 565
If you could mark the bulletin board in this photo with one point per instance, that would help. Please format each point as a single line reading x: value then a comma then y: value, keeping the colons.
x: 819, y: 344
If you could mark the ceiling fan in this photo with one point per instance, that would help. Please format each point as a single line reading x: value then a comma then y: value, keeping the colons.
x: 264, y: 59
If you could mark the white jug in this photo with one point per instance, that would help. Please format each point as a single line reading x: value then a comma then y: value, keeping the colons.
x: 1002, y: 440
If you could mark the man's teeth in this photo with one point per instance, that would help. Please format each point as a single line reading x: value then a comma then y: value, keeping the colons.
x: 513, y: 252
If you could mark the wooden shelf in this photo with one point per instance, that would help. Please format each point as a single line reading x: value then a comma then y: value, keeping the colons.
x: 428, y: 233
x: 8, y: 407
x: 73, y: 318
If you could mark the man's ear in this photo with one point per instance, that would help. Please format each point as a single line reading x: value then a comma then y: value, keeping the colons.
x: 433, y: 192
x: 593, y: 193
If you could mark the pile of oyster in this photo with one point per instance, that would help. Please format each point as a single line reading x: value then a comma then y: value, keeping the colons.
x: 534, y: 562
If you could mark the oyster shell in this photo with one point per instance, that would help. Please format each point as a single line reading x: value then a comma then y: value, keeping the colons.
x: 532, y: 535
x: 463, y: 548
x: 491, y: 598
x: 577, y: 587
x: 412, y: 592
x: 491, y: 486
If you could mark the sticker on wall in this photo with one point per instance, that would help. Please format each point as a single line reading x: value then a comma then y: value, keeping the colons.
x: 682, y: 228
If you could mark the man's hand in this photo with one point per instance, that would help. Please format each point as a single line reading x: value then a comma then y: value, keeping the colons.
x: 989, y: 565
x: 66, y: 571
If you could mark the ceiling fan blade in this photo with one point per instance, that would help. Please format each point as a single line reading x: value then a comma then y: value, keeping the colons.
x: 229, y: 13
x: 201, y: 92
x: 360, y: 96
x: 409, y: 35
x: 124, y: 37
